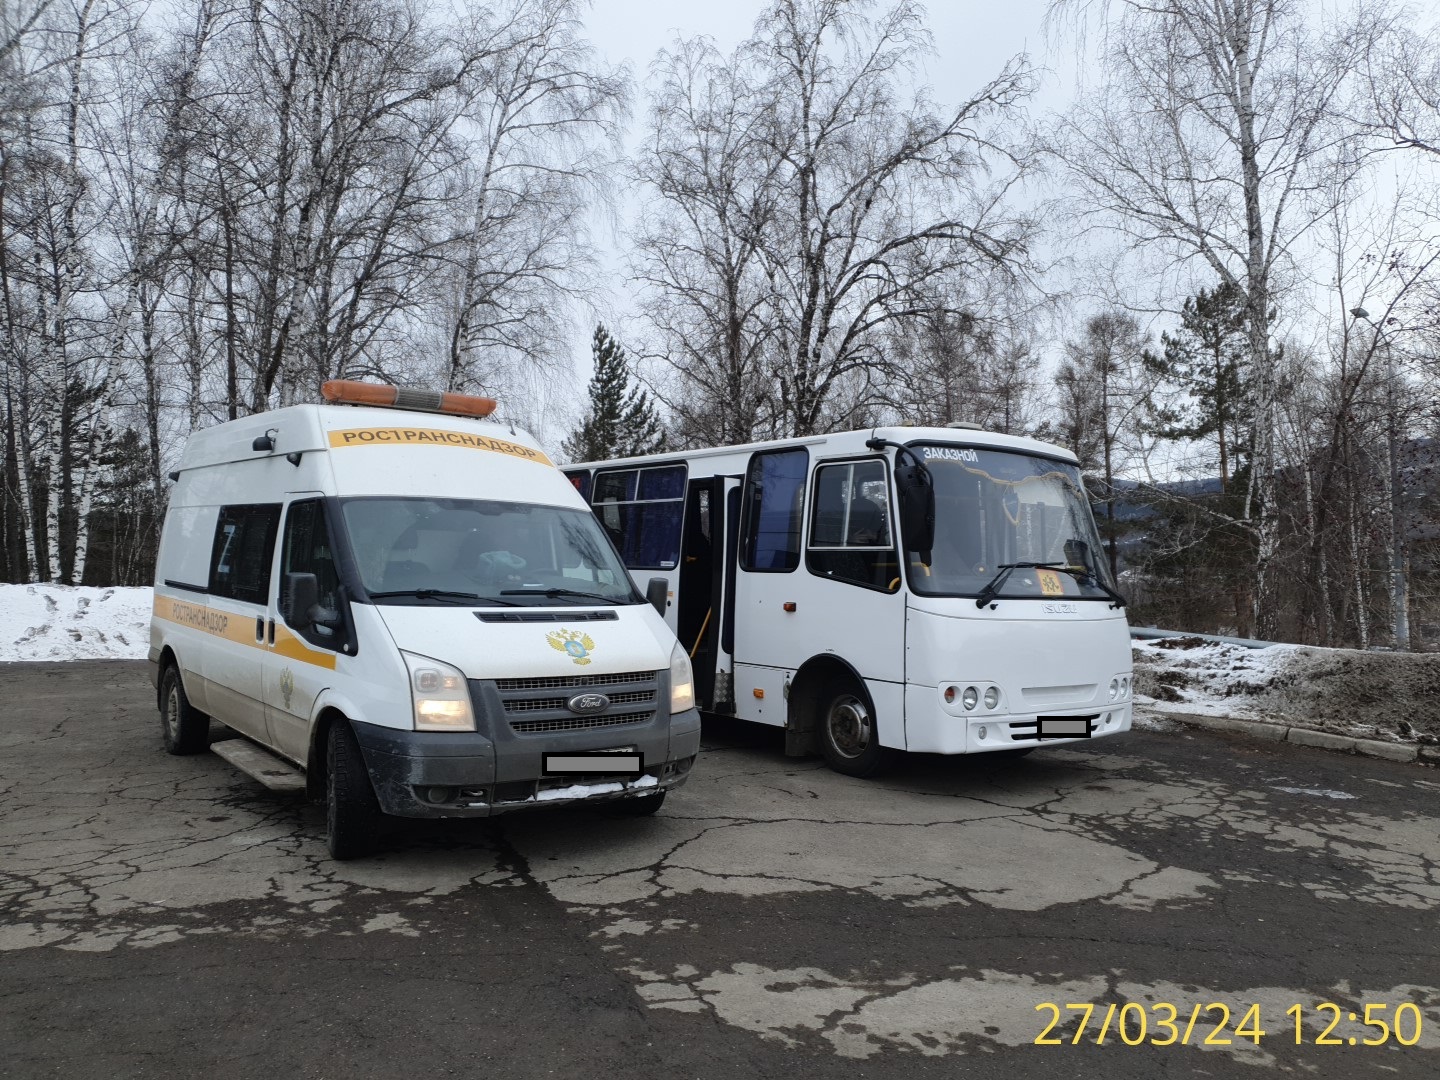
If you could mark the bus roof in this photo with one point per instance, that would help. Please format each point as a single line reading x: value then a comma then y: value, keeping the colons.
x: 851, y: 442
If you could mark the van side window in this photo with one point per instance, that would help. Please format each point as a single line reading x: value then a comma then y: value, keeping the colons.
x: 850, y: 525
x: 642, y: 509
x: 774, y: 503
x: 306, y: 550
x: 244, y: 548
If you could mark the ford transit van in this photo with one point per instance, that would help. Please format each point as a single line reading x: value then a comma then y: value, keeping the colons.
x: 416, y: 610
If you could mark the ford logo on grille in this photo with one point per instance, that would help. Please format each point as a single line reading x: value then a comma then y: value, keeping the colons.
x: 588, y: 703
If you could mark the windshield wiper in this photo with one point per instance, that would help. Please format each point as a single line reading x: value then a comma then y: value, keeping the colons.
x: 1080, y: 574
x: 450, y: 595
x: 554, y: 594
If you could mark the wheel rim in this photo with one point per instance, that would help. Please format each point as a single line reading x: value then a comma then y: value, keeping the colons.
x: 849, y: 726
x: 172, y: 713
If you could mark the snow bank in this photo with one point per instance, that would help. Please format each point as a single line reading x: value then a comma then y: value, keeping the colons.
x: 1370, y: 695
x: 59, y: 622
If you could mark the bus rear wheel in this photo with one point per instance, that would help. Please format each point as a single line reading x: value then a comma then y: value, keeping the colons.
x: 849, y: 737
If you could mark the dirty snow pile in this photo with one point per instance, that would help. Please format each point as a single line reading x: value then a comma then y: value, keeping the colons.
x: 60, y: 622
x: 1369, y: 695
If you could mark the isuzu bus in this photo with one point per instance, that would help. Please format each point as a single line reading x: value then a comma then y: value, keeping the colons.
x: 938, y: 590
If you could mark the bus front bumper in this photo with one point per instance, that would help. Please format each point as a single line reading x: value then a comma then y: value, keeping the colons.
x: 930, y: 729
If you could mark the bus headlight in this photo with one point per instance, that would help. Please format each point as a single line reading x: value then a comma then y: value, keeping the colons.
x: 440, y: 694
x: 970, y: 698
x: 992, y: 697
x: 1114, y: 688
x: 682, y: 681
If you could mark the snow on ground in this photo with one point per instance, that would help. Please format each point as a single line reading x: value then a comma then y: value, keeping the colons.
x: 60, y: 622
x: 1370, y: 695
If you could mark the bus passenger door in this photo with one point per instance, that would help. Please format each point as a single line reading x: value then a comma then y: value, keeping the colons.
x: 700, y: 593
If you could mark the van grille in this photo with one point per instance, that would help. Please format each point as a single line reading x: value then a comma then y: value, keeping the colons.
x: 580, y: 723
x: 539, y: 705
x: 567, y: 682
x: 628, y: 697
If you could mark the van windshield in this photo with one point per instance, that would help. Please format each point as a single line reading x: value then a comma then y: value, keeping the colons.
x: 444, y: 551
x: 995, y: 508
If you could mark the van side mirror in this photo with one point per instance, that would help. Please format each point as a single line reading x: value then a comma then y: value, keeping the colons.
x: 916, y: 488
x: 301, y: 601
x: 658, y: 592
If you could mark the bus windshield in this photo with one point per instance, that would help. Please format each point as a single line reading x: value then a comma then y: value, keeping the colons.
x: 998, y: 507
x: 438, y: 551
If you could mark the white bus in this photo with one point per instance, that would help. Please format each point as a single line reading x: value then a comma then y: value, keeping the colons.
x: 925, y: 589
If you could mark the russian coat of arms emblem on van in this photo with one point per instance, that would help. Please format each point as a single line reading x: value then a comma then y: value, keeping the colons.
x: 287, y: 685
x: 575, y: 644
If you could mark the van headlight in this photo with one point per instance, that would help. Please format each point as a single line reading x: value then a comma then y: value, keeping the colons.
x: 682, y: 681
x: 441, y: 695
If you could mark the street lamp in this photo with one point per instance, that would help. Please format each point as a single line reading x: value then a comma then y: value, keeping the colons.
x: 1399, y: 586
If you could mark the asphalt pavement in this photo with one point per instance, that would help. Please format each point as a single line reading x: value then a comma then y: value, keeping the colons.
x: 168, y: 917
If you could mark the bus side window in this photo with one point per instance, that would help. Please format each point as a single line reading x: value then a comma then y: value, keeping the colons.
x: 642, y: 509
x: 774, y: 504
x: 850, y: 525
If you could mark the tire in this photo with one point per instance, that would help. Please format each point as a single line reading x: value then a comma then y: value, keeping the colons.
x: 638, y: 805
x: 185, y: 729
x: 352, y: 812
x: 849, y: 738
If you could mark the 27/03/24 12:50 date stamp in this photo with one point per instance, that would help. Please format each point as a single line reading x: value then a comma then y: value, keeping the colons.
x: 1162, y: 1024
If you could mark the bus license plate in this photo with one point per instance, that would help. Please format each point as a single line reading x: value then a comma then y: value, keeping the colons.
x: 1063, y: 727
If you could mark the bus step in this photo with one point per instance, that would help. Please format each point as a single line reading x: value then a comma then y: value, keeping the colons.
x: 275, y: 774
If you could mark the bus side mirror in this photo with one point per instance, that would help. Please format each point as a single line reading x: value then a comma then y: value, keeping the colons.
x: 916, y: 488
x: 657, y: 592
x: 302, y: 597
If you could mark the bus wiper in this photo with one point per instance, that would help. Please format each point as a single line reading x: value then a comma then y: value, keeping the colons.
x: 992, y: 587
x: 1081, y: 574
x: 441, y: 594
x: 554, y: 594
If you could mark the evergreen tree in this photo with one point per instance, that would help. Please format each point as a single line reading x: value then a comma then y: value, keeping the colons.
x: 622, y: 420
x: 1205, y: 360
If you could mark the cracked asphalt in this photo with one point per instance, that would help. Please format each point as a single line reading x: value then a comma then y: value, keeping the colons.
x: 168, y: 917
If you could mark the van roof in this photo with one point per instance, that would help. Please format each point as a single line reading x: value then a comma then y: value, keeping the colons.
x: 309, y: 427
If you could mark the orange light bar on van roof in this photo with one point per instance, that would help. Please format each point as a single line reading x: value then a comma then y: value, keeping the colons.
x: 351, y: 392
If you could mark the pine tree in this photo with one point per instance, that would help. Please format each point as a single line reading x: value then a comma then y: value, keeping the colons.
x: 622, y: 420
x: 1205, y: 359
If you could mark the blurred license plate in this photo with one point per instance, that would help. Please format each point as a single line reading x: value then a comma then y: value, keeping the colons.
x: 622, y: 759
x: 1063, y: 727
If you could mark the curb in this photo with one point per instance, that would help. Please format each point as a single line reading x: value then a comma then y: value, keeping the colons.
x: 1260, y: 729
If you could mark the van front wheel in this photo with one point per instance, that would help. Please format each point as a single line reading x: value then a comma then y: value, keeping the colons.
x: 849, y: 737
x: 352, y: 813
x: 185, y: 729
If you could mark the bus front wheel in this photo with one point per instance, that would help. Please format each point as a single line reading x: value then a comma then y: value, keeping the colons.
x: 849, y: 737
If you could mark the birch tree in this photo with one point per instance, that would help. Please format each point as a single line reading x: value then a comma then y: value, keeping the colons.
x: 833, y: 200
x: 1216, y: 137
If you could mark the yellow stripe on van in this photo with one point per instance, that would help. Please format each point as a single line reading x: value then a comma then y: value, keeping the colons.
x: 409, y: 436
x: 239, y: 629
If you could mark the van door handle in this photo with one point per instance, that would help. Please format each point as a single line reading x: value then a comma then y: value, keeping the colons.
x: 270, y: 634
x: 260, y: 628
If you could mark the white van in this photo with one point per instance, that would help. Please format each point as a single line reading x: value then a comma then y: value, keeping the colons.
x: 415, y: 607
